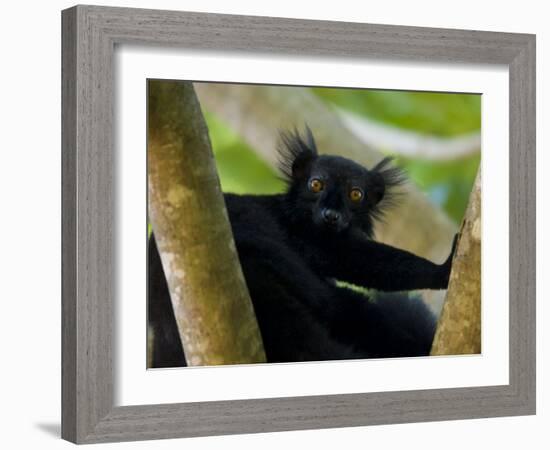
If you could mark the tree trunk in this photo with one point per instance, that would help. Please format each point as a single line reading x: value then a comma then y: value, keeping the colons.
x: 459, y: 327
x: 257, y: 112
x: 211, y: 303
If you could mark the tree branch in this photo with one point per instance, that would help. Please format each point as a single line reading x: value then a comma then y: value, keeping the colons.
x: 459, y: 327
x: 213, y: 310
x: 410, y: 143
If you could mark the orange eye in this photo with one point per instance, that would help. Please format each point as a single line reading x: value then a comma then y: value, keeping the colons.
x: 316, y: 185
x: 356, y: 195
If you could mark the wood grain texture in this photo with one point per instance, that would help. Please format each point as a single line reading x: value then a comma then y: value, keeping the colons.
x: 89, y: 193
x: 68, y: 226
x: 522, y: 224
x: 89, y: 211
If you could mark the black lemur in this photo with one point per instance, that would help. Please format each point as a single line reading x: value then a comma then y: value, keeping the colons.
x: 294, y: 246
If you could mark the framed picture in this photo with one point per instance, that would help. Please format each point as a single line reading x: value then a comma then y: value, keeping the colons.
x: 278, y: 224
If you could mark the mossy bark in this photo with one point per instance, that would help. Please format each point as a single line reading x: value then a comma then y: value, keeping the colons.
x: 212, y: 306
x: 459, y: 326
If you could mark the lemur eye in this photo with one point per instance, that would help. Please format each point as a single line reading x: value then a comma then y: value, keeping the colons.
x: 356, y: 195
x: 316, y: 185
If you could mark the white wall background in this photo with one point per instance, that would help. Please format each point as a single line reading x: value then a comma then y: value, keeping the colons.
x: 31, y: 208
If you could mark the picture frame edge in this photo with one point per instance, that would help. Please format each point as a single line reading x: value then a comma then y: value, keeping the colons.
x: 89, y: 35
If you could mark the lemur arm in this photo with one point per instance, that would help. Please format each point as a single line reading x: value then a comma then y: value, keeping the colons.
x: 372, y: 264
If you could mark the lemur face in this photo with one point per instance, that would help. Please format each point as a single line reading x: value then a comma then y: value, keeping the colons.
x: 339, y: 192
x: 336, y: 193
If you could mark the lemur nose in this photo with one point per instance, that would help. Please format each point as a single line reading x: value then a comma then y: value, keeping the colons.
x: 330, y: 215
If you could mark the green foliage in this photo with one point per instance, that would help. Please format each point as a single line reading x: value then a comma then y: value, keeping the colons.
x: 440, y: 114
x: 240, y: 169
x: 447, y: 184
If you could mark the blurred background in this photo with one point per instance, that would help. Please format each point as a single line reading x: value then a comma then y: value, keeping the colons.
x: 435, y: 137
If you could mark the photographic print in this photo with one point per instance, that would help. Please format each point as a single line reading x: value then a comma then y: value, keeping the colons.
x: 339, y: 248
x: 211, y: 244
x: 382, y: 281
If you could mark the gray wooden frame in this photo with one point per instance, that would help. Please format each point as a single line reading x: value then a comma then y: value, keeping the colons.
x: 89, y: 36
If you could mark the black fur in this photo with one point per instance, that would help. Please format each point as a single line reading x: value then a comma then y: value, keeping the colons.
x: 293, y: 246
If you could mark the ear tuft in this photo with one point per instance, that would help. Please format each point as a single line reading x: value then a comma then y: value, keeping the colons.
x: 388, y: 175
x: 310, y: 141
x: 386, y: 181
x: 296, y: 153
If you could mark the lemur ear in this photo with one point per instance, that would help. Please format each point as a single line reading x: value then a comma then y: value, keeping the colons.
x: 385, y: 178
x: 296, y: 154
x: 310, y: 141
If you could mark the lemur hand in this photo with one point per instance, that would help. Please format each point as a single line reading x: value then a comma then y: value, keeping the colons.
x: 446, y: 266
